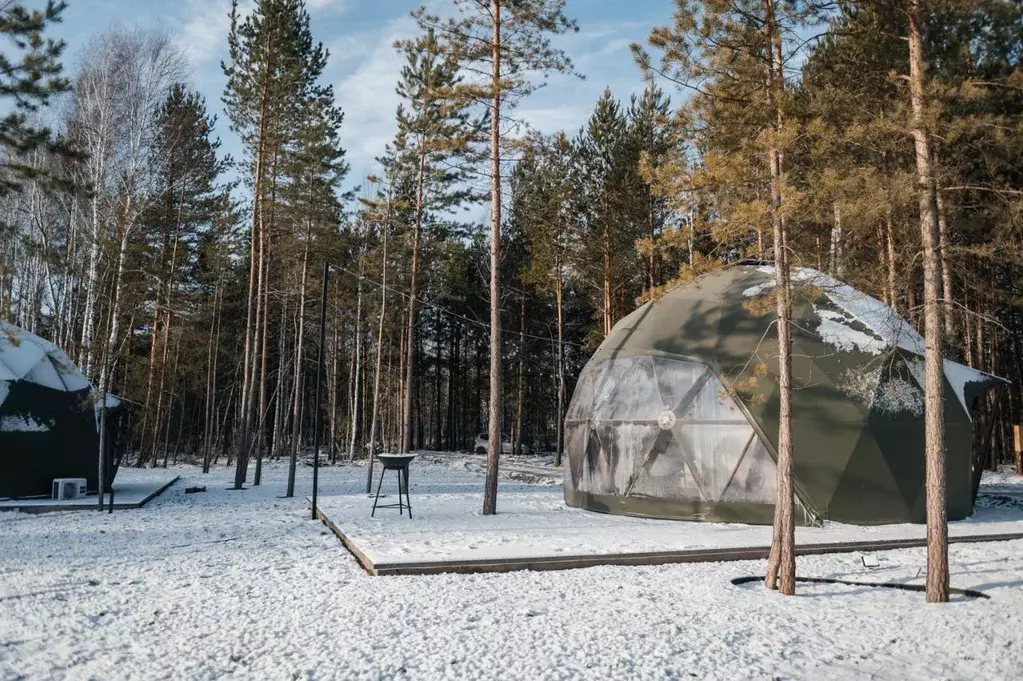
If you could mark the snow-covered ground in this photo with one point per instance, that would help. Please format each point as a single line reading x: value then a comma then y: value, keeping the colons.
x: 227, y: 584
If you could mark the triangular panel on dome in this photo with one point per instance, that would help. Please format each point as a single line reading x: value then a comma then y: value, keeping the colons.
x: 615, y: 454
x: 755, y: 478
x: 716, y: 449
x: 577, y: 435
x: 581, y: 405
x: 675, y: 379
x: 713, y: 403
x: 666, y: 475
x: 627, y: 390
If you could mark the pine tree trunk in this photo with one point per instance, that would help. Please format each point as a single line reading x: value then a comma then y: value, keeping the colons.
x: 520, y: 388
x: 437, y: 398
x: 243, y: 437
x: 357, y: 370
x: 211, y: 378
x: 410, y: 363
x: 376, y: 373
x: 560, y: 430
x: 296, y: 394
x: 606, y: 283
x: 496, y: 412
x: 934, y: 420
x: 947, y: 297
x: 783, y: 559
x: 402, y: 357
x: 281, y: 390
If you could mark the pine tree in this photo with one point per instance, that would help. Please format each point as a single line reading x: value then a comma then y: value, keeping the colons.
x: 652, y: 141
x: 437, y: 138
x: 312, y: 205
x: 188, y: 168
x: 507, y: 43
x: 546, y: 207
x: 272, y: 76
x: 732, y: 57
x: 31, y: 79
x: 608, y: 176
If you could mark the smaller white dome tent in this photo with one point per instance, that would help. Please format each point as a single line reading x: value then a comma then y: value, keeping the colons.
x: 47, y: 419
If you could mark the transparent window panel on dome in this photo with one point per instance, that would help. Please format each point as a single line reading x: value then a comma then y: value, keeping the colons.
x: 627, y: 391
x: 581, y: 405
x: 716, y: 451
x: 713, y: 403
x: 755, y: 478
x: 576, y: 435
x: 666, y: 475
x: 621, y: 450
x: 675, y: 379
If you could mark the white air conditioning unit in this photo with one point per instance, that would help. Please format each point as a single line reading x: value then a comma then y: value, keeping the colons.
x: 68, y: 488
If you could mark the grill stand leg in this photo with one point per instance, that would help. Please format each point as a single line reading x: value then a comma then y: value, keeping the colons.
x: 401, y: 507
x: 408, y: 502
x: 377, y: 497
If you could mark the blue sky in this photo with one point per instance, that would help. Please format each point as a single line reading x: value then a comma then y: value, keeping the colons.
x: 364, y: 66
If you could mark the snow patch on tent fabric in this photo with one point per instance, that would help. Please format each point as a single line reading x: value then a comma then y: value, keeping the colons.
x: 23, y: 424
x: 754, y: 291
x: 860, y: 386
x: 959, y: 375
x: 897, y: 395
x: 835, y: 330
x: 25, y: 356
x: 871, y: 312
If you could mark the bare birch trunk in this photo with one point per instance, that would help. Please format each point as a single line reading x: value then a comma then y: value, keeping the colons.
x: 893, y: 281
x: 835, y: 253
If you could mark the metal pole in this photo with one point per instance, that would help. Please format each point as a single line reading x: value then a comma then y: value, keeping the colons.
x: 319, y: 380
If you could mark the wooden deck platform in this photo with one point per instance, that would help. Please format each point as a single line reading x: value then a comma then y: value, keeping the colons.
x: 127, y: 496
x: 398, y: 546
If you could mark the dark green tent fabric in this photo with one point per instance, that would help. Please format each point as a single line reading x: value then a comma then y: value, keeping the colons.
x: 48, y: 426
x: 675, y: 416
x: 59, y: 439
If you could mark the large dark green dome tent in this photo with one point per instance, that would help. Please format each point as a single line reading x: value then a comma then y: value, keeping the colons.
x: 48, y: 425
x: 675, y: 416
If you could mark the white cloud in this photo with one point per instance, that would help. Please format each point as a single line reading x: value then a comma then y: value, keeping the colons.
x: 205, y: 27
x: 335, y: 6
x: 367, y: 94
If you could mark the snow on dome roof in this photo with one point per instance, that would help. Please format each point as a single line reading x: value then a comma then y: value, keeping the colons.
x: 25, y: 356
x: 891, y: 329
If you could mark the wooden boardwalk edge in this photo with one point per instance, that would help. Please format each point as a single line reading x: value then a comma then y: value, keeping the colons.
x: 624, y: 559
x: 360, y: 557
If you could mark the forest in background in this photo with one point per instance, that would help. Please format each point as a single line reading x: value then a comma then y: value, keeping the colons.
x: 122, y: 241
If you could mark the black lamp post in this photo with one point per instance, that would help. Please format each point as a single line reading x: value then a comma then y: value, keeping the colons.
x: 317, y: 430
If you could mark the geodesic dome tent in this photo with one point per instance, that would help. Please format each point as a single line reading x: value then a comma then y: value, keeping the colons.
x: 48, y: 426
x: 675, y: 416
